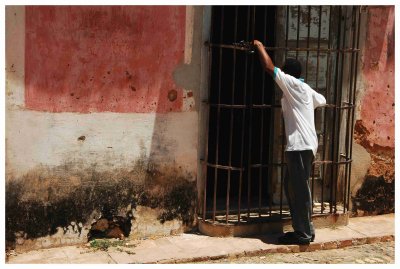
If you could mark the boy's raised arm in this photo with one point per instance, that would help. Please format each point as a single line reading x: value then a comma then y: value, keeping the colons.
x: 266, y: 61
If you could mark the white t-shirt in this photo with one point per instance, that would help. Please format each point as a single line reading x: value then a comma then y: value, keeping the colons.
x: 298, y: 104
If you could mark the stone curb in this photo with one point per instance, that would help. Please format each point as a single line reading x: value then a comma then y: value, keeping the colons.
x: 288, y: 249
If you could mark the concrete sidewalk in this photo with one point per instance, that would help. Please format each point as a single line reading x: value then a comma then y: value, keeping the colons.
x: 188, y: 248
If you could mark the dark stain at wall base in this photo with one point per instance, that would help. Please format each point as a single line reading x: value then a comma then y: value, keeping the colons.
x: 376, y: 196
x: 45, y: 199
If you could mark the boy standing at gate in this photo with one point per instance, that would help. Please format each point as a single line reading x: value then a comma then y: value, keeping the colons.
x: 298, y: 103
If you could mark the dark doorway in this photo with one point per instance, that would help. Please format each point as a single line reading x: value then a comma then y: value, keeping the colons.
x: 241, y: 103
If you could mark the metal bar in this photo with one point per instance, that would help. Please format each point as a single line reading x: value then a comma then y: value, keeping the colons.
x: 328, y: 85
x: 243, y: 122
x: 298, y: 31
x: 231, y: 119
x: 335, y: 134
x: 230, y: 46
x: 271, y: 135
x: 340, y: 92
x: 312, y: 187
x: 253, y: 17
x: 308, y: 39
x: 262, y: 122
x: 318, y: 46
x: 349, y: 106
x: 282, y: 123
x: 317, y: 88
x: 218, y: 117
x: 345, y: 205
x: 353, y: 101
x: 208, y: 122
x: 224, y: 167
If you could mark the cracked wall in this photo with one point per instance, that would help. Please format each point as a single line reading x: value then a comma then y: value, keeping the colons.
x: 373, y: 184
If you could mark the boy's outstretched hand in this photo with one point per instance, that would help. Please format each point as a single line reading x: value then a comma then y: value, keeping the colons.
x: 265, y: 60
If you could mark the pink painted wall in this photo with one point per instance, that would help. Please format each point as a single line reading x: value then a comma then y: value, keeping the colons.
x: 103, y: 58
x: 375, y: 127
x: 378, y: 103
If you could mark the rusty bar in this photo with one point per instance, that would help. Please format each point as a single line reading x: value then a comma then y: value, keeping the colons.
x: 262, y: 123
x: 328, y: 86
x: 308, y: 40
x: 282, y: 123
x: 206, y: 144
x: 271, y: 136
x: 271, y: 139
x: 225, y: 167
x: 316, y: 85
x: 318, y: 46
x: 253, y: 17
x: 235, y: 47
x: 353, y: 101
x: 312, y: 188
x: 348, y: 106
x: 345, y: 205
x: 335, y: 134
x: 231, y: 120
x: 218, y: 118
x: 208, y: 122
x: 243, y: 122
x: 339, y: 111
x: 334, y: 124
x: 298, y: 31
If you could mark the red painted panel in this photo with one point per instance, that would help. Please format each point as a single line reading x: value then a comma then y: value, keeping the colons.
x: 378, y: 103
x: 102, y: 58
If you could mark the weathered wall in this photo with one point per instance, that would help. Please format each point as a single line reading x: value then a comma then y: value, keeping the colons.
x: 101, y: 120
x: 373, y: 151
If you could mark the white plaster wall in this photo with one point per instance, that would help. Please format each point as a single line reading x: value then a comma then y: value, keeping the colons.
x: 112, y: 140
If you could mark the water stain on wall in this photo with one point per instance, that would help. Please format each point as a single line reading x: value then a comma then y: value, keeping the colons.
x: 45, y: 199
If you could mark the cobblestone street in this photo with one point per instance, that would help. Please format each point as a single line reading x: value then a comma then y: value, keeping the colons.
x: 377, y: 253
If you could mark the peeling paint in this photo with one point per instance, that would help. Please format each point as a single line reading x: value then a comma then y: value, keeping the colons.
x: 113, y: 58
x: 374, y: 128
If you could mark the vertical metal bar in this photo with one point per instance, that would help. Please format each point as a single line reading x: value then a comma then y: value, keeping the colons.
x: 262, y: 121
x: 271, y: 136
x: 340, y: 92
x: 298, y: 31
x: 353, y: 102
x: 243, y: 120
x: 317, y: 76
x: 208, y: 120
x: 335, y: 134
x: 308, y: 40
x: 312, y: 188
x: 218, y: 117
x: 328, y: 85
x: 318, y: 46
x: 282, y: 122
x: 353, y: 17
x: 250, y: 118
x: 231, y: 119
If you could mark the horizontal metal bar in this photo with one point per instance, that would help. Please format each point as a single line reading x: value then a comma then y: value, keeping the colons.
x: 241, y: 106
x: 257, y: 165
x: 338, y: 107
x: 226, y: 46
x: 271, y: 106
x: 332, y: 162
x: 218, y: 166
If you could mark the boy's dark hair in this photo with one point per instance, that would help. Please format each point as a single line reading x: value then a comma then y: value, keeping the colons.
x: 292, y: 67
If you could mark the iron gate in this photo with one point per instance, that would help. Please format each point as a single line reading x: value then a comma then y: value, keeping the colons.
x: 244, y: 156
